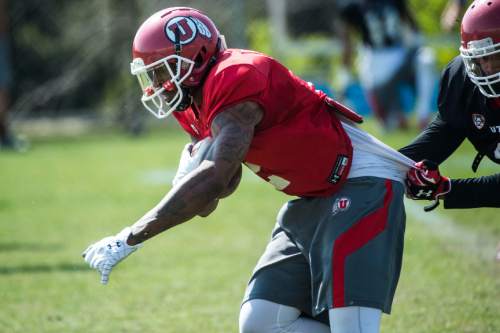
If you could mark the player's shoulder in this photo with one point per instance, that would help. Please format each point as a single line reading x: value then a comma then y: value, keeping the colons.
x: 242, y: 62
x: 455, y: 90
x: 455, y: 74
x: 238, y: 74
x: 454, y: 79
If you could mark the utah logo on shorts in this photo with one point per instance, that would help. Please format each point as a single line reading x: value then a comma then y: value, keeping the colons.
x: 340, y: 205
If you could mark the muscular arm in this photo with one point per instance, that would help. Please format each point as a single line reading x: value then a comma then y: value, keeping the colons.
x: 232, y: 131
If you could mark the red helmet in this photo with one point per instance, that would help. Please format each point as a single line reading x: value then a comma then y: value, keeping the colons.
x: 172, y: 51
x: 480, y: 45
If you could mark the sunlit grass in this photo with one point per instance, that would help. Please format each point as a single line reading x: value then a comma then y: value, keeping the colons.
x: 65, y: 193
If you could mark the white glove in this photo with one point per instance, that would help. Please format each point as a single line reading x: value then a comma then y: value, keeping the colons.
x: 106, y: 253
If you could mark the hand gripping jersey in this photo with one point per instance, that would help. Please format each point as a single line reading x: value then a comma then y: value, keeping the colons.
x: 299, y: 146
x: 464, y: 113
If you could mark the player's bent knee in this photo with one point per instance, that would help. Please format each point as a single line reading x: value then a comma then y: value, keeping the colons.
x: 355, y: 319
x: 261, y: 316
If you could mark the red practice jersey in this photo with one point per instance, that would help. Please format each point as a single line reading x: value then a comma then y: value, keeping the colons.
x: 299, y: 146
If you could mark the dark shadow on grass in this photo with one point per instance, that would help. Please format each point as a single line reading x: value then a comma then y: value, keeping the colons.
x: 4, y: 204
x: 33, y: 247
x: 34, y: 269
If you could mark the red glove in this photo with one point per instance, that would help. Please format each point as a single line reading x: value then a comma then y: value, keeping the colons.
x: 424, y: 182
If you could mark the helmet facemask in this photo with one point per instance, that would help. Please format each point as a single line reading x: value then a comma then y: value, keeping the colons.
x: 478, y: 55
x: 161, y: 82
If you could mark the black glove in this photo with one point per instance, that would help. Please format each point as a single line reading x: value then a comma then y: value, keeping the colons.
x: 424, y: 182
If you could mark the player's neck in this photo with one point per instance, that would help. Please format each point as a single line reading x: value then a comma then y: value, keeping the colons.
x: 197, y: 95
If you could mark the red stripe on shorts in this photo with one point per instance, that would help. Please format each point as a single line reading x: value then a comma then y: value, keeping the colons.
x: 357, y: 236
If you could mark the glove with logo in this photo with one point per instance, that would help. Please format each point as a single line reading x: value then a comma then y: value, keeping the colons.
x: 108, y: 252
x: 424, y: 182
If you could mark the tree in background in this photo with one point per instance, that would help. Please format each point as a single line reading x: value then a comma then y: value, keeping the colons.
x: 73, y: 58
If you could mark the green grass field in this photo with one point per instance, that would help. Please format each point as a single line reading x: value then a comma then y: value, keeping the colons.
x: 68, y: 192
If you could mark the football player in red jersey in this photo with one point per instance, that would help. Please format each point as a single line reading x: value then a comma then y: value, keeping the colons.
x: 336, y: 248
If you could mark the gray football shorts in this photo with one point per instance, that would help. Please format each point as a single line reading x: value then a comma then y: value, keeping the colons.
x: 343, y: 250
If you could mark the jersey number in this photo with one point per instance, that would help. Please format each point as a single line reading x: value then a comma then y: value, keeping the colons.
x: 277, y: 181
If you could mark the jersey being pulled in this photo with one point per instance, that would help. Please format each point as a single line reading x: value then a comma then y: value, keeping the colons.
x: 299, y: 146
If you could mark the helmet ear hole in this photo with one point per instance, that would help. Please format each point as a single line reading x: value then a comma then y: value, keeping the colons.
x: 198, y: 61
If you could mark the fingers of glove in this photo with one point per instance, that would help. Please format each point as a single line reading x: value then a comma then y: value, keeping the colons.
x: 97, y: 248
x: 87, y: 251
x: 410, y: 190
x: 424, y: 178
x: 105, y: 272
x: 96, y: 261
x: 415, y: 177
x: 94, y: 257
x: 100, y: 259
x: 91, y: 254
x: 92, y: 249
x: 411, y: 177
x: 420, y: 192
x: 109, y: 257
x: 427, y: 171
x: 430, y: 165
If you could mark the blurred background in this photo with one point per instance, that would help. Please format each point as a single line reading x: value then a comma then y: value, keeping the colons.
x: 68, y: 61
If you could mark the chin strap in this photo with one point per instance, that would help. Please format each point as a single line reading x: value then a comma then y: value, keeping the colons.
x: 187, y: 100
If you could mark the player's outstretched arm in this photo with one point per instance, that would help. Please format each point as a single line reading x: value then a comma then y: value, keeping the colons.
x: 232, y: 131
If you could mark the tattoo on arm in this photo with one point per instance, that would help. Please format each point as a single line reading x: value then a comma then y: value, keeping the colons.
x: 232, y: 130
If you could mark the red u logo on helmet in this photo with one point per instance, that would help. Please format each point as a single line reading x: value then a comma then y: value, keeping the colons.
x: 187, y: 29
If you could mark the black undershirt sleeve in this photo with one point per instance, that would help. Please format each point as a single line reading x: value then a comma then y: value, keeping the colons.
x: 436, y: 143
x: 474, y: 192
